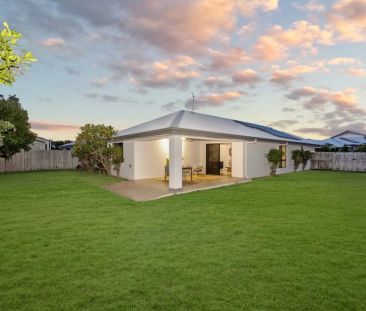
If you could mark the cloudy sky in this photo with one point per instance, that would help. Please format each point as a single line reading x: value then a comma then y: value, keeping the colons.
x: 298, y: 66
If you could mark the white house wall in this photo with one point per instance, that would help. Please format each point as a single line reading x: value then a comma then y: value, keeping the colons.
x: 128, y: 165
x: 225, y: 154
x: 144, y: 159
x: 150, y: 158
x: 257, y: 164
x: 191, y: 153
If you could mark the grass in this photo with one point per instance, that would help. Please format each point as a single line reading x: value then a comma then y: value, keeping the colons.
x: 294, y: 242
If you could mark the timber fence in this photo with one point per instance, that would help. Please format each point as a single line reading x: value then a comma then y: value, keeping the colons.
x: 39, y: 160
x: 339, y: 161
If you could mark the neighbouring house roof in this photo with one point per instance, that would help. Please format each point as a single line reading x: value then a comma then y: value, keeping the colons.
x: 349, y: 138
x: 353, y: 133
x: 38, y: 138
x: 67, y: 146
x: 186, y: 122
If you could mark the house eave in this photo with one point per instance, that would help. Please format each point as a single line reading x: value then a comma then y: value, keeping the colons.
x: 190, y: 132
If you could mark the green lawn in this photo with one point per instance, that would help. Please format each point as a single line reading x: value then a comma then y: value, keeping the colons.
x: 295, y: 242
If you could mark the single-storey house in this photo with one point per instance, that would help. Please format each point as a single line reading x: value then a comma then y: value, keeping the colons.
x: 41, y: 143
x: 214, y: 145
x: 350, y: 139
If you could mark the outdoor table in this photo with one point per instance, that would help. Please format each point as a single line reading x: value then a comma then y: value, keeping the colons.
x: 184, y: 168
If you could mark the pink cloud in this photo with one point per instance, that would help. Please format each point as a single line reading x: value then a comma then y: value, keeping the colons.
x: 53, y: 43
x: 268, y: 49
x: 356, y: 72
x: 249, y: 7
x: 318, y: 97
x: 177, y: 71
x: 188, y: 26
x: 343, y: 61
x: 348, y: 19
x: 226, y: 60
x: 216, y: 99
x: 216, y: 81
x: 301, y: 34
x: 47, y: 126
x: 247, y: 76
x: 285, y: 76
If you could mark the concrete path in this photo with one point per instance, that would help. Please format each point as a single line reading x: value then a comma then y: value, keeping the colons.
x: 151, y: 189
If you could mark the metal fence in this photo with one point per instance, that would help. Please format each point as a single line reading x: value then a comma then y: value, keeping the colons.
x: 339, y: 161
x: 39, y: 160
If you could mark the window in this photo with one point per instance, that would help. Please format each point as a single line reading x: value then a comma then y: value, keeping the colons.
x: 283, y: 159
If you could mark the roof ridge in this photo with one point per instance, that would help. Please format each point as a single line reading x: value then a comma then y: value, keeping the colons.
x: 177, y: 118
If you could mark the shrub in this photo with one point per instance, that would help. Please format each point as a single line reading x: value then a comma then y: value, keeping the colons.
x: 305, y: 157
x: 296, y: 157
x: 94, y: 149
x: 301, y: 157
x: 274, y: 157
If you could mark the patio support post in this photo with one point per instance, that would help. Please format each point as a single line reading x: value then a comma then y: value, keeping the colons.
x: 175, y: 162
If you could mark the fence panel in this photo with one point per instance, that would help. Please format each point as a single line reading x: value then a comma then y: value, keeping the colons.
x: 39, y: 160
x: 339, y: 161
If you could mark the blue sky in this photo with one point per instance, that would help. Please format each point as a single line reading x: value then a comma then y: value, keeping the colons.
x: 298, y: 66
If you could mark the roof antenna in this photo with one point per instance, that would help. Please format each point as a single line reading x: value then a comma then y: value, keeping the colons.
x: 192, y: 102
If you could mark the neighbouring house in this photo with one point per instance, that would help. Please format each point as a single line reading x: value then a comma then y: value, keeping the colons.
x: 41, y: 143
x: 67, y: 146
x: 214, y: 144
x: 350, y: 139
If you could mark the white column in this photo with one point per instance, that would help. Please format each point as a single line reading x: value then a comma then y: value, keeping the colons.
x: 175, y: 162
x: 237, y: 158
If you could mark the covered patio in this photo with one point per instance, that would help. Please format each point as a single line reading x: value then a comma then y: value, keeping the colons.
x: 182, y: 160
x: 155, y: 188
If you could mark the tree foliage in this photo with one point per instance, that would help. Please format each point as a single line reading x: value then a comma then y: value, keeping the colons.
x: 296, y: 157
x: 345, y: 148
x: 21, y: 136
x: 274, y: 157
x: 301, y: 157
x: 4, y: 127
x: 94, y: 149
x: 10, y: 61
x: 305, y: 157
x: 327, y: 148
x: 360, y: 148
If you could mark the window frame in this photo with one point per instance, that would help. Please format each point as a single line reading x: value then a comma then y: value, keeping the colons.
x: 283, y: 162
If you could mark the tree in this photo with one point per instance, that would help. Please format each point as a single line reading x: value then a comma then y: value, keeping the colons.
x: 274, y: 158
x: 21, y: 137
x: 94, y: 149
x: 305, y: 157
x: 296, y: 157
x: 10, y: 62
x: 301, y: 157
x: 345, y: 148
x: 361, y: 148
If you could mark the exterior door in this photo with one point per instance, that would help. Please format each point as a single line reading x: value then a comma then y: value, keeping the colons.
x: 213, y: 159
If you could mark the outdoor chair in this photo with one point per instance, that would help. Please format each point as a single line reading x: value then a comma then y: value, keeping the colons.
x: 198, y: 170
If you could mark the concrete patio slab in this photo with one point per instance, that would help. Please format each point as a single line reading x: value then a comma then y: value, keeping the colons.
x: 152, y: 189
